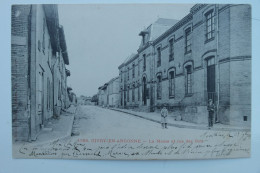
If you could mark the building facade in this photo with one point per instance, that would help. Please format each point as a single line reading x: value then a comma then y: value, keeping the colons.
x: 206, y: 55
x: 113, y: 92
x: 35, y: 47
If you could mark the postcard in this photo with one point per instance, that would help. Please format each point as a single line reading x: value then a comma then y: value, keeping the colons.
x: 131, y: 81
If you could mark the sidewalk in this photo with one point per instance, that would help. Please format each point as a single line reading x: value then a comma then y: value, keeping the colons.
x: 155, y: 117
x: 58, y: 128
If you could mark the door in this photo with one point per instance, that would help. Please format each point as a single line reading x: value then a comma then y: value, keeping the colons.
x: 144, y: 91
x: 152, y: 99
x: 211, y: 80
x: 40, y: 100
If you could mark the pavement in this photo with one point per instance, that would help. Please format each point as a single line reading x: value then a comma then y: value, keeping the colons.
x: 156, y: 117
x: 55, y: 128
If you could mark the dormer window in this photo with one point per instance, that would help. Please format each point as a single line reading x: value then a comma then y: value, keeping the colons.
x: 144, y: 37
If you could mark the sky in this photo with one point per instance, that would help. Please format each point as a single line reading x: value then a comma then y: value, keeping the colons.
x: 100, y: 37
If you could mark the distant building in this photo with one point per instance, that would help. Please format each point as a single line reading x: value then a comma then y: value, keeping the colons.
x: 108, y: 94
x: 206, y: 55
x: 103, y: 95
x: 113, y: 92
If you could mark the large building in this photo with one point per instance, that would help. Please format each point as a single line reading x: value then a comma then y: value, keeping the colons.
x: 206, y: 55
x: 39, y: 78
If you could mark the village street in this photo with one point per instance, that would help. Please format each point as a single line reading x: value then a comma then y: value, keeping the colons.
x: 98, y: 121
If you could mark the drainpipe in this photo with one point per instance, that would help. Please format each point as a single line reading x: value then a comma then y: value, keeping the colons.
x: 29, y: 71
x: 217, y: 114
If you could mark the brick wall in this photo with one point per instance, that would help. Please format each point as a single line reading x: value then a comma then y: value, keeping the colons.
x: 19, y: 70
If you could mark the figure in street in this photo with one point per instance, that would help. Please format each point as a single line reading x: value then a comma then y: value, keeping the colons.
x: 164, y: 114
x: 211, y: 110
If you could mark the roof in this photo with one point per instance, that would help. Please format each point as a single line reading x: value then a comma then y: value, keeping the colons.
x: 63, y: 45
x: 52, y: 20
x: 168, y: 22
x: 157, y: 28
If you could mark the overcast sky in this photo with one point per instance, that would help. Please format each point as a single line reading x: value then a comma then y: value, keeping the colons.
x: 100, y: 37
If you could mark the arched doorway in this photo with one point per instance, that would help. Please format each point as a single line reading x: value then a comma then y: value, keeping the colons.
x: 144, y: 91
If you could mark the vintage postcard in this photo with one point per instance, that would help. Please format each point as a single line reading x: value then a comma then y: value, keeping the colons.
x: 131, y: 81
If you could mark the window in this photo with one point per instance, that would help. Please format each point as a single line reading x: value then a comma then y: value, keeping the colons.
x: 128, y: 73
x: 171, y: 54
x: 143, y: 39
x: 133, y: 72
x: 188, y: 40
x: 171, y: 84
x: 144, y: 63
x: 159, y: 87
x: 121, y: 75
x: 209, y: 25
x: 139, y: 88
x: 138, y: 69
x: 59, y: 91
x: 128, y: 93
x: 133, y: 94
x: 188, y: 80
x: 158, y: 56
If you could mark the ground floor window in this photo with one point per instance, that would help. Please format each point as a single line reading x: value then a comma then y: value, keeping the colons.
x: 171, y: 84
x: 159, y: 87
x: 133, y: 94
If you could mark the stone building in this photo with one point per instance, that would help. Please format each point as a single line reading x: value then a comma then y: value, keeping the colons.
x: 36, y: 46
x: 206, y: 55
x: 113, y: 92
x: 102, y: 95
x: 108, y: 94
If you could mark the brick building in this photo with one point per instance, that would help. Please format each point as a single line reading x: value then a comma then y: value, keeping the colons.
x: 37, y: 47
x: 205, y: 55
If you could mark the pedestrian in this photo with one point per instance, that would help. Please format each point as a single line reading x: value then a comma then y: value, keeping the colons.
x: 211, y: 110
x: 164, y: 114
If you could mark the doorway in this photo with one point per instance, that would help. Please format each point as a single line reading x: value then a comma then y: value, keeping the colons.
x: 144, y: 91
x: 211, y: 79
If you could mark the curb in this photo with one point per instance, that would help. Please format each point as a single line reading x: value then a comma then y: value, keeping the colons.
x: 181, y: 125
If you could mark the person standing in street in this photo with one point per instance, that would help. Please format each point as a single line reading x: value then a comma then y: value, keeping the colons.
x: 164, y: 114
x: 211, y: 110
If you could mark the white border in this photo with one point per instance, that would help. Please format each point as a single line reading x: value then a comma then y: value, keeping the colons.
x: 7, y: 164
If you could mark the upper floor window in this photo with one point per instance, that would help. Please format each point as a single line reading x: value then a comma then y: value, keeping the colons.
x: 133, y: 72
x: 128, y: 93
x: 209, y: 25
x: 188, y: 40
x: 139, y: 88
x: 138, y: 69
x: 121, y: 75
x: 128, y: 73
x: 158, y: 56
x: 171, y: 53
x: 171, y: 84
x: 144, y: 62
